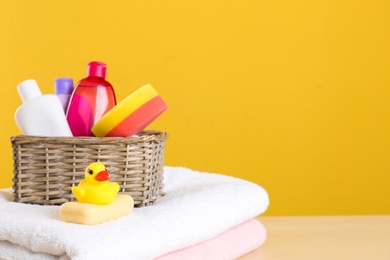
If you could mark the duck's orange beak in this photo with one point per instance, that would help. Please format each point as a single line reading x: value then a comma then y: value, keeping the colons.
x: 102, y: 176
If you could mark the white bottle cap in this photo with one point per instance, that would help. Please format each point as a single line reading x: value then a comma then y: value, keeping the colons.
x: 28, y: 90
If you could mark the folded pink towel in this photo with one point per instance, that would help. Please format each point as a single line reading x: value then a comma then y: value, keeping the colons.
x: 231, y: 244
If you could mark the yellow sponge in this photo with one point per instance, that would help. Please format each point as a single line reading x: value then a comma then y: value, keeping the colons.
x: 132, y: 114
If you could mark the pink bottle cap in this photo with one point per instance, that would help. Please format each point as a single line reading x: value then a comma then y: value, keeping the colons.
x: 96, y: 69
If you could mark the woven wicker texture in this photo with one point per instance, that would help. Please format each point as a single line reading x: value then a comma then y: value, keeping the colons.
x: 46, y: 168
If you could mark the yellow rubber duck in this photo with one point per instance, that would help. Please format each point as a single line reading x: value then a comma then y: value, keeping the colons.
x: 95, y: 188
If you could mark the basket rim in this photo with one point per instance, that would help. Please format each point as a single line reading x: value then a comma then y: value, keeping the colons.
x: 146, y: 135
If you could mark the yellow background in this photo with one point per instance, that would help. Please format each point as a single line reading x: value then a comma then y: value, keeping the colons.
x: 292, y: 95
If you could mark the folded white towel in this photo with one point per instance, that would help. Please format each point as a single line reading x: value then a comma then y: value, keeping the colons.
x: 197, y: 206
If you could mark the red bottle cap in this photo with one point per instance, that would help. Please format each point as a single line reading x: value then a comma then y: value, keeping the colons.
x: 96, y: 69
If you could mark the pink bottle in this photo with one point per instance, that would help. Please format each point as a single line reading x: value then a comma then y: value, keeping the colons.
x: 92, y: 97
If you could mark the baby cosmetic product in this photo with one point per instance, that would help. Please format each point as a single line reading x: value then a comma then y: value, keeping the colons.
x: 92, y: 97
x: 63, y: 88
x: 40, y: 114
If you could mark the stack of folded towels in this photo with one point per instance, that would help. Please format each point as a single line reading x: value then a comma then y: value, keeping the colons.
x: 201, y: 216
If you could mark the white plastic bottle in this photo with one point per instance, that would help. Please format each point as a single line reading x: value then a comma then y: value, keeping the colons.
x: 41, y: 115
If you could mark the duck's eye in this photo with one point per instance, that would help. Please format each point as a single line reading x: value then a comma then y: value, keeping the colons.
x: 90, y: 171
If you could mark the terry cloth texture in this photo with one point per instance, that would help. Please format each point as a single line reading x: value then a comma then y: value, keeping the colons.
x: 197, y: 206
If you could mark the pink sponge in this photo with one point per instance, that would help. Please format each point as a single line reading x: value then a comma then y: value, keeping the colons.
x: 132, y: 115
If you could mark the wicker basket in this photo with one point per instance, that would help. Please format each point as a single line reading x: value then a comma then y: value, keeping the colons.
x: 46, y: 168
